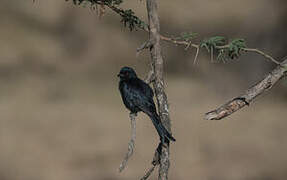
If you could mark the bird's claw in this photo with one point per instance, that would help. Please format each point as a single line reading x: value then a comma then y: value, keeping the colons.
x: 242, y: 99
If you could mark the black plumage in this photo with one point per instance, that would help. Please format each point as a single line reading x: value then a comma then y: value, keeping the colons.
x: 138, y: 96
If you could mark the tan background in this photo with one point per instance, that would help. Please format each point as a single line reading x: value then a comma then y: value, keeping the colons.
x: 61, y: 113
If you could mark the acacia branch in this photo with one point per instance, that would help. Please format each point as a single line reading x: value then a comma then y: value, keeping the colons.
x: 157, y: 65
x: 263, y: 54
x: 131, y: 143
x: 267, y: 56
x: 150, y: 77
x: 187, y: 44
x: 133, y: 22
x: 250, y: 94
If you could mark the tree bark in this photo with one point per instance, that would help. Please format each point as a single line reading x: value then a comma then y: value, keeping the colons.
x: 158, y: 83
x: 250, y: 94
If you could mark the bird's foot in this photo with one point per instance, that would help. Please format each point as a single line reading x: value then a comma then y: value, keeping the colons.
x: 164, y: 142
x: 242, y: 99
x: 133, y: 115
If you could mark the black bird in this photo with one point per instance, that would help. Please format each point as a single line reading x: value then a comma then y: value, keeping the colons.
x: 138, y: 96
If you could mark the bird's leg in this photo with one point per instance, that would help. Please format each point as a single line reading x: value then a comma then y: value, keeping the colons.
x: 133, y: 126
x: 133, y: 115
x: 164, y: 142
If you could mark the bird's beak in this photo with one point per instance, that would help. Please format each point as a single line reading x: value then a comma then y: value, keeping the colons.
x: 119, y: 75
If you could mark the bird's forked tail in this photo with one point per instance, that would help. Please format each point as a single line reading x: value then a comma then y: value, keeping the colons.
x: 161, y: 130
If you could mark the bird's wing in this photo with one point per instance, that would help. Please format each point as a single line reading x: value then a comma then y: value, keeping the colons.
x: 145, y: 88
x: 142, y: 96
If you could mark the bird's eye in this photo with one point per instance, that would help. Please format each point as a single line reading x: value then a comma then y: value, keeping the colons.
x: 126, y: 73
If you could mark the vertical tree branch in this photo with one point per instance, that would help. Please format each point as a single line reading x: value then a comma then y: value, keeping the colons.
x: 158, y: 83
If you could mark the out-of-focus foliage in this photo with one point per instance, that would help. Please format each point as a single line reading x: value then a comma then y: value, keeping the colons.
x: 235, y: 47
x: 93, y: 2
x: 231, y: 50
x: 186, y: 36
x: 216, y: 44
x: 129, y: 19
x: 132, y: 21
x: 212, y: 42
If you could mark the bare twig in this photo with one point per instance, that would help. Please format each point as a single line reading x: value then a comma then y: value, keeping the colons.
x: 177, y: 42
x: 270, y: 58
x: 155, y: 161
x: 196, y: 55
x: 145, y: 45
x: 263, y: 54
x: 189, y: 44
x: 184, y: 43
x: 211, y: 54
x: 131, y: 142
x: 250, y: 94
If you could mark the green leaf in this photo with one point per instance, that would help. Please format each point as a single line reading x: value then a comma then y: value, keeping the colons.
x: 186, y: 36
x: 212, y: 42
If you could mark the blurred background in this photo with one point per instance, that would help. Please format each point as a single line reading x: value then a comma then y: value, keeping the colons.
x: 61, y: 113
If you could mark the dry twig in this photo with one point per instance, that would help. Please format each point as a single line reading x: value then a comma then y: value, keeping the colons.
x: 263, y: 54
x: 145, y: 45
x: 250, y: 94
x: 155, y: 162
x: 131, y: 143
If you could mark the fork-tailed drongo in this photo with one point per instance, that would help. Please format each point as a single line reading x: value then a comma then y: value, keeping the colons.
x: 138, y: 96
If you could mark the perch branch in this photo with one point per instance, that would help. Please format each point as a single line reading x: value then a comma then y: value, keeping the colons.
x: 145, y: 45
x: 150, y: 77
x: 250, y: 94
x: 148, y: 173
x: 158, y: 84
x: 131, y: 145
x: 155, y: 162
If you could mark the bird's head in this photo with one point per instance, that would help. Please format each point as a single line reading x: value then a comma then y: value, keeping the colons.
x: 127, y: 73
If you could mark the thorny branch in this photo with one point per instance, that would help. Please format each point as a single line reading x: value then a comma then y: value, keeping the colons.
x: 133, y: 22
x: 131, y: 143
x: 189, y: 44
x: 250, y: 94
x: 184, y: 43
